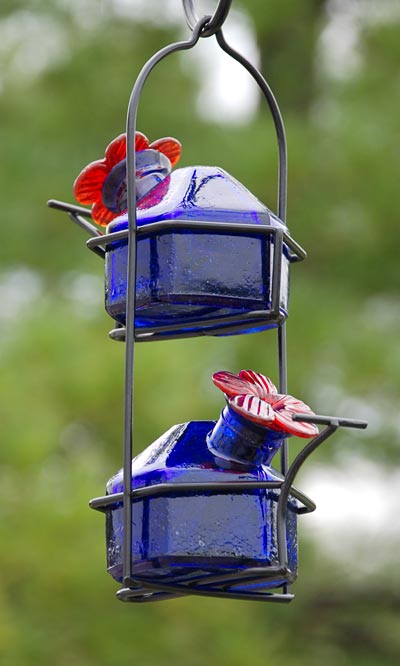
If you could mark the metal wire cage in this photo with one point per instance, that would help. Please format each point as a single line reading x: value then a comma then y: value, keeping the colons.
x: 253, y: 583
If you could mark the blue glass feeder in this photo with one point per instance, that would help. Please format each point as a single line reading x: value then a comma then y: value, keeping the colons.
x: 206, y: 505
x: 210, y: 257
x: 190, y: 535
x: 192, y: 277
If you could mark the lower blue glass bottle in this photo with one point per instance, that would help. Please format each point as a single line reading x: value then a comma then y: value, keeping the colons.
x: 192, y: 535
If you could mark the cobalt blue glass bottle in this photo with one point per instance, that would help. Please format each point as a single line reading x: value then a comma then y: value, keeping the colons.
x: 185, y: 535
x: 189, y: 279
x: 182, y: 536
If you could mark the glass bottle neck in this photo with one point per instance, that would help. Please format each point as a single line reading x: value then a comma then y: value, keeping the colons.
x: 237, y: 442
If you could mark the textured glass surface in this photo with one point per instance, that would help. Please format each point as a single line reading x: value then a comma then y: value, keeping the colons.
x: 181, y: 536
x: 184, y: 275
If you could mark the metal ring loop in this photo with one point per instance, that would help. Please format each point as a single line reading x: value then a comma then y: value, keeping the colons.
x: 216, y: 21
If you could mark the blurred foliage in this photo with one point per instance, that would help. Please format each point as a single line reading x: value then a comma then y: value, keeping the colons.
x: 61, y: 379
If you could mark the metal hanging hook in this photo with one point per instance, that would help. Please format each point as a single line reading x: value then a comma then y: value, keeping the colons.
x: 216, y: 21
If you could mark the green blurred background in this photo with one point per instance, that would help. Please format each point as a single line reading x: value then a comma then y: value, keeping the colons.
x: 66, y: 71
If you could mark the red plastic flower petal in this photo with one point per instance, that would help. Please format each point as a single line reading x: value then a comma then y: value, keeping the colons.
x: 257, y: 379
x: 116, y: 151
x: 253, y: 408
x: 170, y: 147
x: 233, y: 385
x: 285, y: 406
x: 141, y: 141
x: 102, y: 215
x: 247, y: 381
x: 255, y: 397
x: 87, y: 187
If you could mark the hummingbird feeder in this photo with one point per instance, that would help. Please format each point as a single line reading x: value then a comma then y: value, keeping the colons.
x: 191, y: 252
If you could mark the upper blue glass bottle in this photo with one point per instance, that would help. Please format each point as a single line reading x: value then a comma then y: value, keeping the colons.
x: 192, y: 277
